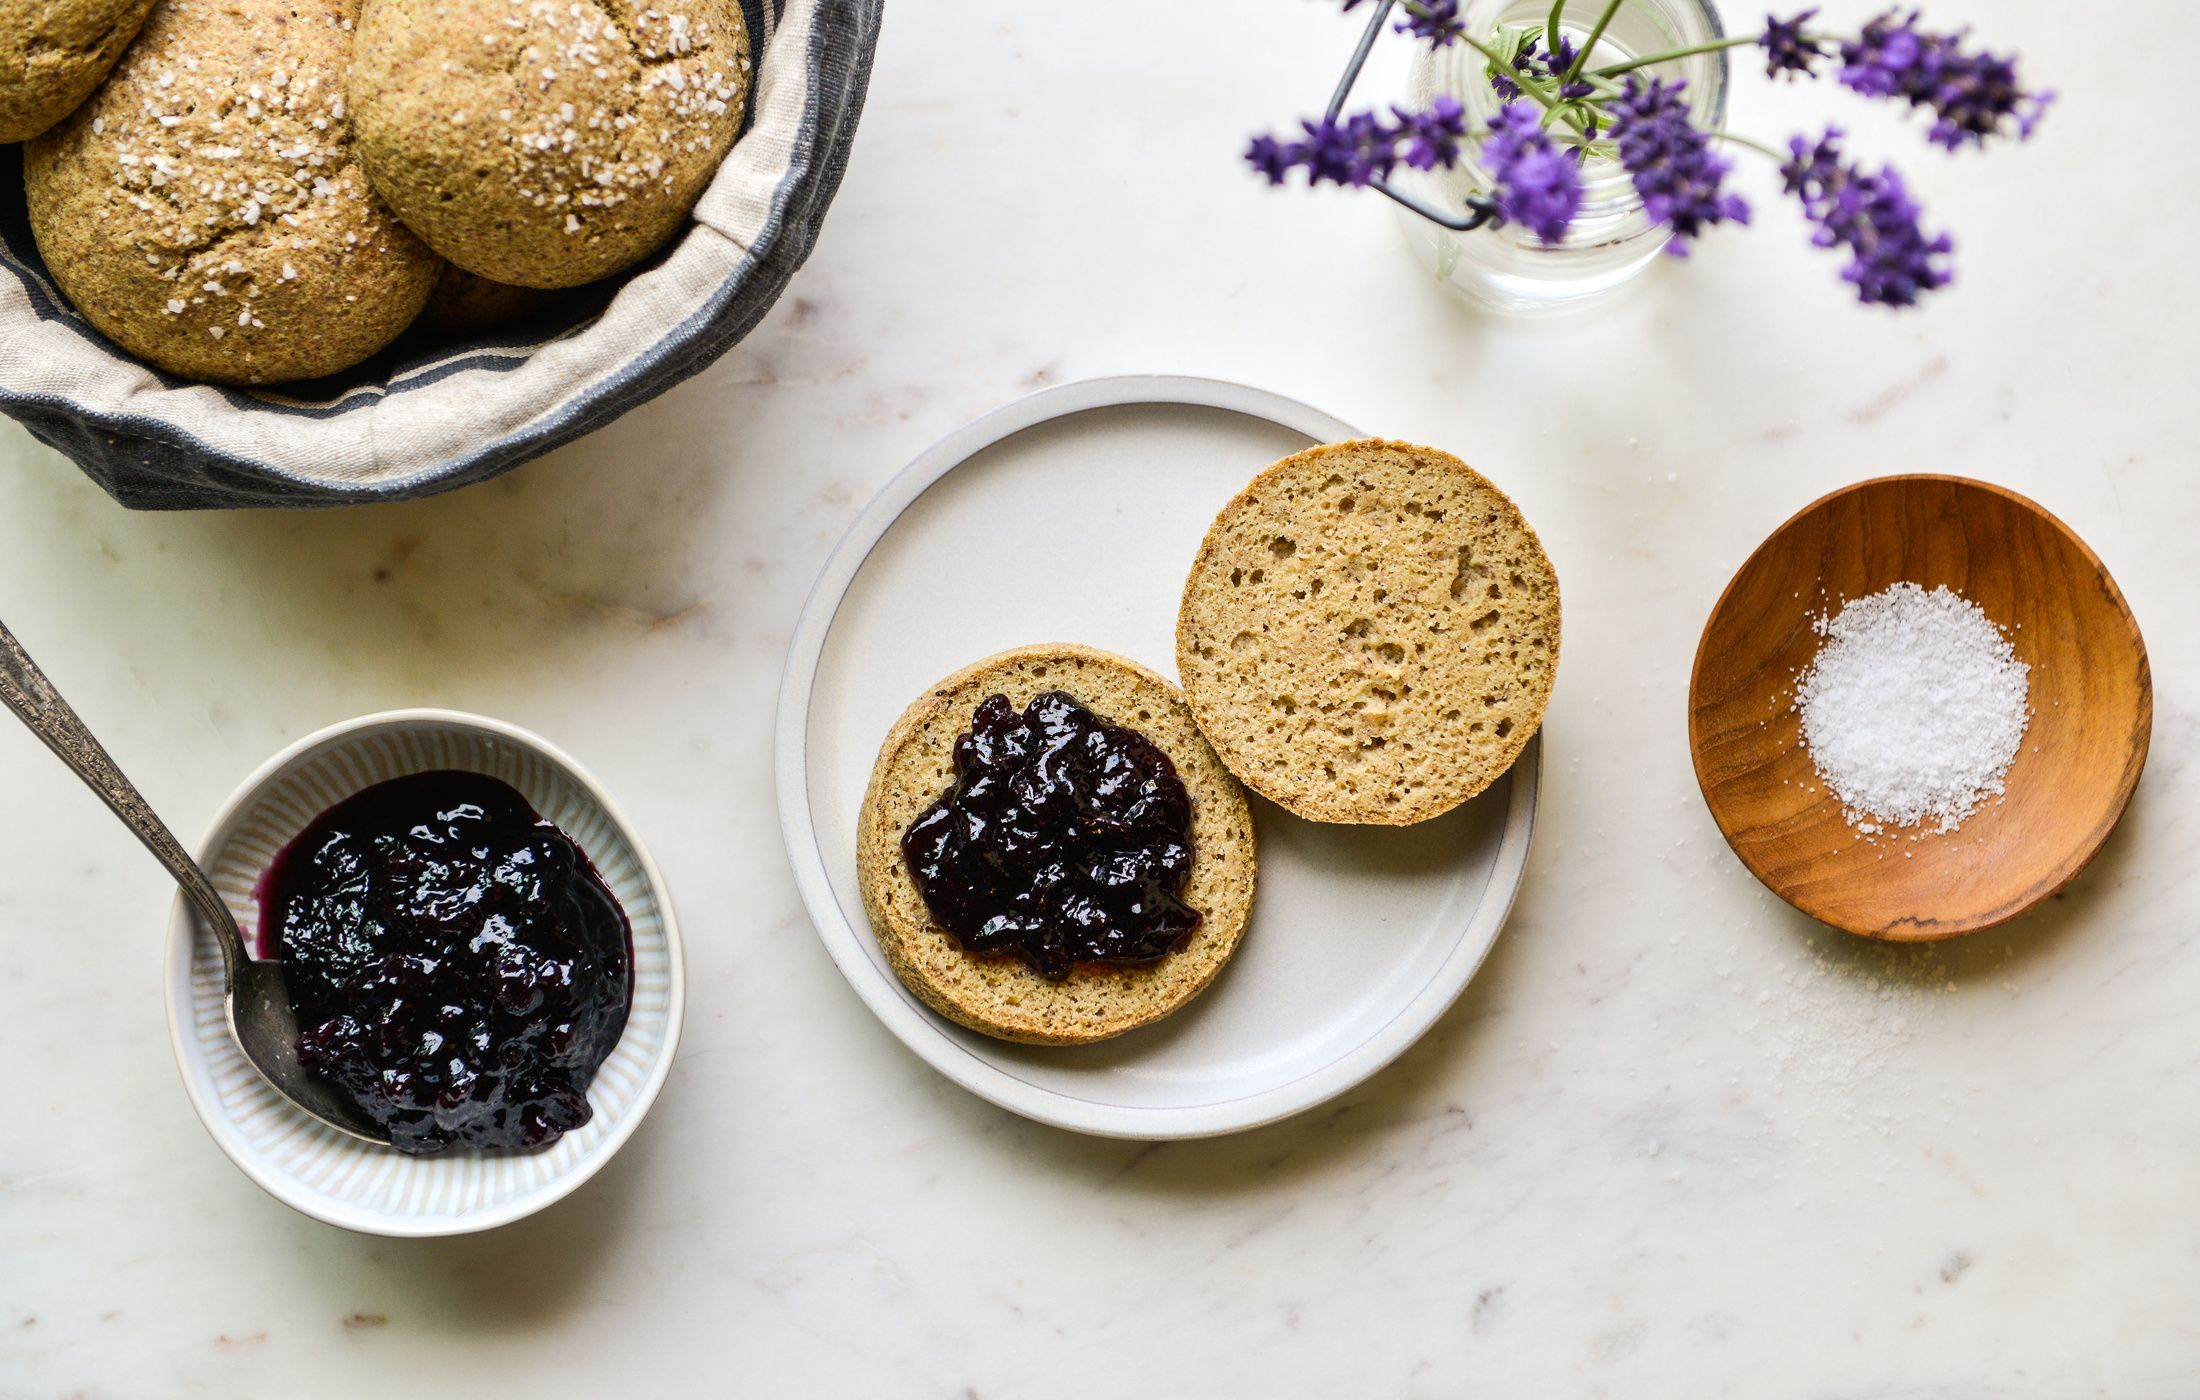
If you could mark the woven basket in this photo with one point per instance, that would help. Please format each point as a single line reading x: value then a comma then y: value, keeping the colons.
x: 418, y: 419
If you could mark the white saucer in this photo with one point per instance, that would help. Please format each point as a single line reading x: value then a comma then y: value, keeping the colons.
x: 1072, y: 516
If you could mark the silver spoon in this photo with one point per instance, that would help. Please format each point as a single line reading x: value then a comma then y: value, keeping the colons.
x: 253, y: 994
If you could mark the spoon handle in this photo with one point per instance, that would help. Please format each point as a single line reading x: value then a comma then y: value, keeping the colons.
x: 26, y: 691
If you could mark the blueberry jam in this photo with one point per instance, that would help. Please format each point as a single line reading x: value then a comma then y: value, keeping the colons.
x: 1064, y: 840
x: 458, y: 967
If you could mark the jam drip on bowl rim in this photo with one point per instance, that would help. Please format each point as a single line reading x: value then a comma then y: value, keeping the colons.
x: 1064, y: 840
x: 458, y: 967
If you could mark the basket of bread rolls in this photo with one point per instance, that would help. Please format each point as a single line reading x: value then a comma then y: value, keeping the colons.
x: 307, y: 252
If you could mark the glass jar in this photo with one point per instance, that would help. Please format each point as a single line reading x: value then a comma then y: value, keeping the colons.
x: 1611, y: 240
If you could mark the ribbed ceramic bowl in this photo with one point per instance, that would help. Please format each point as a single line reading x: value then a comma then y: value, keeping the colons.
x: 355, y: 1184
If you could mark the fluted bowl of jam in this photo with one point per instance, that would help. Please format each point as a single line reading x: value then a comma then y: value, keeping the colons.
x: 511, y: 1048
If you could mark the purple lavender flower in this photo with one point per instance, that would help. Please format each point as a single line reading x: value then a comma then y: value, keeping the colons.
x: 1347, y: 152
x: 1974, y: 97
x: 1432, y: 138
x: 1674, y: 169
x: 1887, y: 58
x: 1353, y: 151
x: 1532, y: 61
x: 1524, y: 61
x: 1971, y: 94
x: 1563, y: 54
x: 1270, y: 157
x: 1434, y: 20
x: 1538, y: 186
x: 1891, y: 260
x: 1787, y: 48
x: 1363, y: 148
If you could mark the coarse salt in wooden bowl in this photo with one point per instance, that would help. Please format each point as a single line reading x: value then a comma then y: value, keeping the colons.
x: 2092, y: 703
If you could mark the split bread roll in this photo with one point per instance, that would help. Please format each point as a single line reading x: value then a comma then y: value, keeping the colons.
x: 1002, y: 996
x: 1369, y: 633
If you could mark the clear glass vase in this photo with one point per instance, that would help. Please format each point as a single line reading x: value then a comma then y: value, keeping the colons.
x: 1611, y: 242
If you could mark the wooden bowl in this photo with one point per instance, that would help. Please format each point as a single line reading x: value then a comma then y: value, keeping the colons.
x: 2092, y: 700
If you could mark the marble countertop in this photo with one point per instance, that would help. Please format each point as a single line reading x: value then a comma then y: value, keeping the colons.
x: 1674, y: 1141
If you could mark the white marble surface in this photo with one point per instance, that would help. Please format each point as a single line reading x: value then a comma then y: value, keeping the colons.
x: 1675, y: 1140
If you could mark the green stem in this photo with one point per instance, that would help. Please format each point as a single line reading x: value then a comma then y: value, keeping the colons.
x: 1613, y: 70
x: 1755, y: 145
x: 1553, y: 108
x: 1596, y: 36
x: 1571, y: 112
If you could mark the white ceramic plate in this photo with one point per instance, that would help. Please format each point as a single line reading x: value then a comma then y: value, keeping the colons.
x: 338, y: 1178
x: 1073, y: 516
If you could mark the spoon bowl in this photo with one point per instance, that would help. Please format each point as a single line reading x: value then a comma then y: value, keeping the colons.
x: 255, y: 1000
x: 266, y: 1030
x: 2092, y: 701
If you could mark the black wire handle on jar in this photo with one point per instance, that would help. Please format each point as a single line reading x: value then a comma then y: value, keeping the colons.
x: 1480, y: 211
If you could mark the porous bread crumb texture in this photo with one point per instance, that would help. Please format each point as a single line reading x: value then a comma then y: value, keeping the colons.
x: 53, y: 53
x: 1000, y: 995
x: 203, y: 209
x: 547, y: 143
x: 1369, y: 633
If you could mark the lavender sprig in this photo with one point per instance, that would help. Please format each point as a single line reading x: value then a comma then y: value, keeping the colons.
x: 1538, y: 186
x: 1565, y: 61
x: 1525, y: 61
x: 1355, y: 151
x: 1437, y: 21
x: 1788, y: 50
x: 1362, y: 148
x: 1558, y: 110
x: 1674, y: 169
x: 1432, y: 138
x: 1972, y: 93
x: 1892, y: 262
x: 1549, y: 69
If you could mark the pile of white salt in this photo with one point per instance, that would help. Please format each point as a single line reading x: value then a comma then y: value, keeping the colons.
x: 1913, y: 708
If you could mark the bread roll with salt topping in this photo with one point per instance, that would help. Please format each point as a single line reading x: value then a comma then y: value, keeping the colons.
x: 547, y: 143
x: 53, y: 53
x: 204, y: 209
